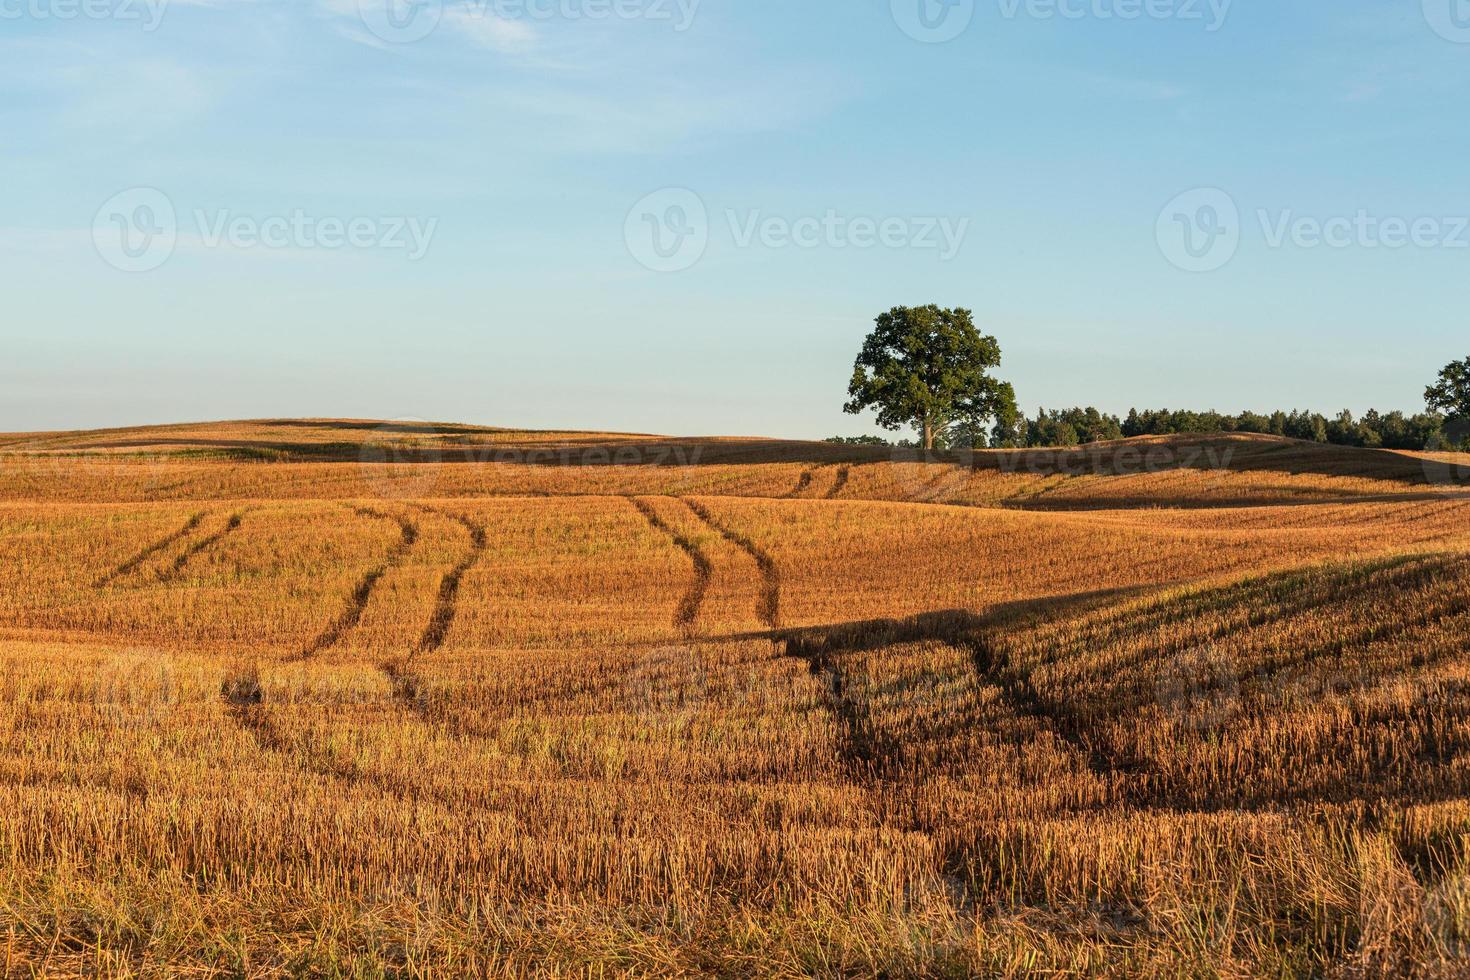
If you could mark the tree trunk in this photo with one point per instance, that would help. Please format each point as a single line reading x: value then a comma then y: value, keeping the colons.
x: 928, y: 434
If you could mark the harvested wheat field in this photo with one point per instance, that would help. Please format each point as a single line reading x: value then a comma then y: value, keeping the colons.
x: 348, y: 698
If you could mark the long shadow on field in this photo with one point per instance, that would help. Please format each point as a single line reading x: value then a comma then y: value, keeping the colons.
x: 1315, y: 686
x: 399, y: 444
x: 864, y: 745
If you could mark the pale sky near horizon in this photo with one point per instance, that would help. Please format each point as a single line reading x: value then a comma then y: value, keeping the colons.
x: 679, y: 216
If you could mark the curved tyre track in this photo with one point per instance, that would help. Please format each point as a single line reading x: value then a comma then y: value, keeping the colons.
x: 447, y: 608
x: 840, y: 483
x: 132, y: 563
x: 357, y: 604
x: 199, y: 547
x: 769, y: 606
x: 802, y: 484
x: 823, y: 649
x: 689, y: 606
x: 929, y: 492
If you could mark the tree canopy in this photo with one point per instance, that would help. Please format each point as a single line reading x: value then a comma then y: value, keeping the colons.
x: 1451, y: 394
x: 928, y: 367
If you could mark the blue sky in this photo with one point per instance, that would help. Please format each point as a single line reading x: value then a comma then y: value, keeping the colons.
x: 804, y: 166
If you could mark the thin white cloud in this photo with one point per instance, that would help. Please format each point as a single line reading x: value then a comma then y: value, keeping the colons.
x: 473, y: 23
x: 489, y: 31
x: 672, y: 107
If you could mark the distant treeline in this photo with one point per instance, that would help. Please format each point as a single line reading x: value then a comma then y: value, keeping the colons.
x: 1077, y: 426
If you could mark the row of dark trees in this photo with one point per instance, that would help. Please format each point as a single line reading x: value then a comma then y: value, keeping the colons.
x: 928, y: 368
x: 1079, y: 426
x: 1076, y: 426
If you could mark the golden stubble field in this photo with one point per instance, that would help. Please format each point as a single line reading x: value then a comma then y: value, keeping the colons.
x: 362, y: 699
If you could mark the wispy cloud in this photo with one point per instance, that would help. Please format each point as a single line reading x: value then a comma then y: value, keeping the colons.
x: 483, y: 28
x: 106, y: 89
x: 475, y: 24
x: 672, y: 108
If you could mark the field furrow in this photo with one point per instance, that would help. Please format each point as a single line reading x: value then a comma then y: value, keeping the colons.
x: 689, y: 607
x: 768, y: 609
x: 445, y: 611
x: 357, y: 603
x: 203, y: 545
x: 660, y: 707
x: 133, y: 563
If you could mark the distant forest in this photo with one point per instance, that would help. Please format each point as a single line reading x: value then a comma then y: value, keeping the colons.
x: 1078, y: 426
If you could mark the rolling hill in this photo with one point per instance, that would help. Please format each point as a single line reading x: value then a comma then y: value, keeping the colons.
x: 347, y: 697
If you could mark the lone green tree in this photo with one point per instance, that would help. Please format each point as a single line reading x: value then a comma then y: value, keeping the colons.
x: 1451, y: 395
x: 928, y: 367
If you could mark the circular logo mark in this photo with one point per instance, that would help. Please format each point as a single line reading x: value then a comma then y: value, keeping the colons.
x: 401, y: 21
x: 1199, y: 690
x: 923, y: 476
x: 1199, y: 231
x: 137, y: 230
x: 668, y: 679
x: 1450, y: 19
x: 401, y: 459
x: 1450, y: 466
x: 933, y: 21
x: 668, y: 230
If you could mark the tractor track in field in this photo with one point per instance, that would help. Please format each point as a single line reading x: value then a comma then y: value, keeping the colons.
x: 357, y: 603
x: 689, y: 606
x: 769, y: 606
x: 132, y: 564
x: 993, y: 667
x: 204, y: 544
x: 873, y: 752
x: 305, y: 753
x: 803, y: 483
x: 447, y: 607
x: 929, y: 492
x: 255, y: 719
x: 840, y: 483
x: 246, y: 699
